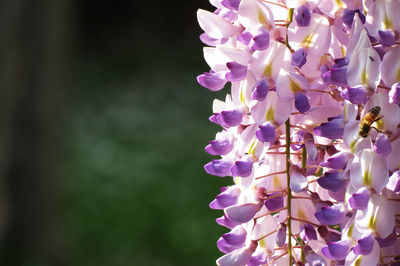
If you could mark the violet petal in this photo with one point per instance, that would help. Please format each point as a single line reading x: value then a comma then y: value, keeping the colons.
x: 230, y: 118
x: 394, y: 94
x: 219, y: 168
x: 310, y: 232
x: 226, y: 222
x: 299, y: 57
x: 386, y: 37
x: 225, y: 199
x: 280, y: 237
x: 364, y: 246
x: 212, y: 81
x: 236, y: 72
x: 359, y: 200
x: 266, y: 132
x: 242, y: 213
x: 332, y: 180
x: 330, y: 215
x: 356, y: 95
x: 231, y: 4
x: 260, y: 90
x: 260, y: 41
x: 337, y: 161
x: 274, y: 202
x: 301, y: 102
x: 303, y: 16
x: 336, y: 250
x: 242, y: 168
x: 236, y: 237
x: 332, y: 129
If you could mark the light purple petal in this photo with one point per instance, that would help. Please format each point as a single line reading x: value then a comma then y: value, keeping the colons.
x: 242, y: 168
x: 364, y: 246
x: 236, y: 72
x: 336, y: 250
x: 382, y: 145
x: 211, y: 41
x: 220, y: 146
x: 212, y: 81
x: 224, y: 221
x: 238, y: 257
x: 298, y: 181
x: 330, y: 215
x: 231, y: 4
x: 301, y: 102
x: 315, y: 260
x: 214, y: 119
x: 260, y: 90
x: 225, y: 199
x: 280, y: 237
x: 312, y: 152
x: 219, y: 168
x: 266, y: 132
x: 359, y: 200
x: 258, y: 258
x: 394, y: 182
x: 388, y: 241
x: 224, y: 247
x: 394, y: 94
x: 242, y: 213
x: 236, y: 237
x: 245, y: 37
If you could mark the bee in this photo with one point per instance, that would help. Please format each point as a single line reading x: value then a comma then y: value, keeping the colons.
x: 368, y: 120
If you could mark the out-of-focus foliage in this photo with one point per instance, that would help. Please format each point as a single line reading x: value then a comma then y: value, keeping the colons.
x: 134, y: 189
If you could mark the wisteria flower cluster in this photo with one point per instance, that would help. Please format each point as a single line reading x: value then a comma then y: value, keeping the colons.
x: 310, y: 130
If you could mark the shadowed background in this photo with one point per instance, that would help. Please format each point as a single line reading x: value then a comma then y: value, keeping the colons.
x: 102, y: 134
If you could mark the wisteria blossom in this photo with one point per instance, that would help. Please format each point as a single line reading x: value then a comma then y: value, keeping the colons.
x: 310, y: 130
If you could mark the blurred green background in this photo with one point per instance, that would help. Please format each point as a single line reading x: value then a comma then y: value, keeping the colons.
x: 103, y: 135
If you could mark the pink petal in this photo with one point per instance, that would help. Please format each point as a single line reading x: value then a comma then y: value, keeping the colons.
x: 215, y: 26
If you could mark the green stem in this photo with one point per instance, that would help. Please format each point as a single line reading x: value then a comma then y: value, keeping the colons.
x: 289, y: 194
x: 304, y: 158
x: 304, y: 166
x: 289, y: 191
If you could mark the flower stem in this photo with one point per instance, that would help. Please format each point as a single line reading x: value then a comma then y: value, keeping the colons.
x: 289, y: 194
x: 289, y: 191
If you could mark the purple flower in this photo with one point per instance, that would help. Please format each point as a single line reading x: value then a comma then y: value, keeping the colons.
x: 303, y: 16
x: 336, y: 250
x: 266, y: 132
x: 219, y: 168
x: 333, y: 181
x: 332, y: 129
x: 299, y: 57
x: 260, y: 90
x: 330, y: 215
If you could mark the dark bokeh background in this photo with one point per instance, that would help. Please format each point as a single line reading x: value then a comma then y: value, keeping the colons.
x: 102, y: 129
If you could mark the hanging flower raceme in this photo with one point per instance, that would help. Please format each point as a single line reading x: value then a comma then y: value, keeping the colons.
x: 310, y: 130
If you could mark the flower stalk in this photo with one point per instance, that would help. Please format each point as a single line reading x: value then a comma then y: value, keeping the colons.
x: 310, y: 130
x: 289, y: 191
